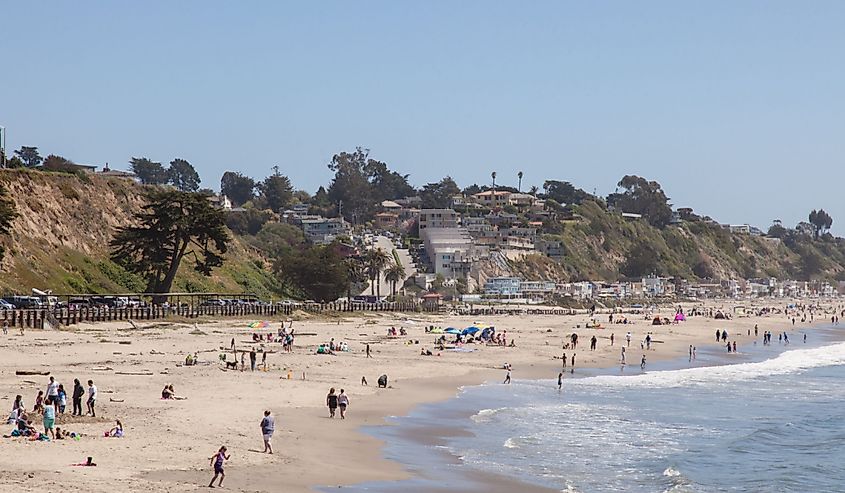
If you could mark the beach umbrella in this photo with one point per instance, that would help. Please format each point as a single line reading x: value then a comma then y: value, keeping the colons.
x: 259, y: 325
x: 470, y: 330
x: 452, y: 330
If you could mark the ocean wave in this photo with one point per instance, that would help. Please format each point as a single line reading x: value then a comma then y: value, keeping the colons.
x: 794, y: 361
x: 485, y: 415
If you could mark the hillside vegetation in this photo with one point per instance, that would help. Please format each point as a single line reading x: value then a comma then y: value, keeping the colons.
x: 60, y: 240
x: 602, y: 245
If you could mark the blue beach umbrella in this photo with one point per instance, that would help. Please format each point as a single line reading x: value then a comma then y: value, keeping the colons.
x: 470, y: 330
x: 452, y: 330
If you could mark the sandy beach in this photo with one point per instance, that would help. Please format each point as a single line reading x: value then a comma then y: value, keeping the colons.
x: 168, y: 443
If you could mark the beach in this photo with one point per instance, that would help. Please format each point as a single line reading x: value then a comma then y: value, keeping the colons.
x: 168, y: 443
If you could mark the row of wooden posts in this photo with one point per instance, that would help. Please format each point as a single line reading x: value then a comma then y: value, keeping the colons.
x: 46, y: 318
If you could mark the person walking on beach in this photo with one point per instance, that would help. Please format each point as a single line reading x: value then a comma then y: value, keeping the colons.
x: 78, y: 392
x: 593, y: 342
x: 342, y: 403
x: 623, y: 355
x: 693, y: 352
x: 564, y: 360
x: 331, y: 402
x: 628, y: 338
x: 92, y: 398
x: 252, y: 357
x: 368, y: 351
x: 217, y: 461
x: 611, y: 339
x: 734, y: 346
x: 560, y: 380
x: 718, y: 334
x: 690, y: 352
x: 755, y: 330
x: 573, y: 361
x: 642, y: 363
x: 268, y: 426
x: 508, y: 377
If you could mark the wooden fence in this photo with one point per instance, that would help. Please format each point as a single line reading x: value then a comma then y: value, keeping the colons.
x: 43, y: 318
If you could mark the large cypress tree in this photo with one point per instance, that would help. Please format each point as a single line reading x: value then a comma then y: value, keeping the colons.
x: 173, y: 225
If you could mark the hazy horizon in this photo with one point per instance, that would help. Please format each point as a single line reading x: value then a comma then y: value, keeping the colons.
x: 735, y: 108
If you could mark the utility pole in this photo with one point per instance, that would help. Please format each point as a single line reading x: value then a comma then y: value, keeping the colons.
x: 2, y: 146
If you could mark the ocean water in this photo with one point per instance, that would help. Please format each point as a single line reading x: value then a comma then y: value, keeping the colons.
x: 774, y: 421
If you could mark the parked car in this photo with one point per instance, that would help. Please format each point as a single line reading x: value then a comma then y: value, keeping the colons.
x: 5, y: 305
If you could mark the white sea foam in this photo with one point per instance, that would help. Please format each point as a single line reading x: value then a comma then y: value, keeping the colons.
x: 671, y: 472
x: 511, y: 443
x: 485, y: 415
x: 794, y: 361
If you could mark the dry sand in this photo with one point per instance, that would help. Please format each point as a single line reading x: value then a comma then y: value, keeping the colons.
x: 168, y: 442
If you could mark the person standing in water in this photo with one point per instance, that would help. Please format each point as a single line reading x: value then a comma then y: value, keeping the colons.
x: 623, y: 355
x: 560, y: 380
x: 508, y: 377
x: 642, y: 363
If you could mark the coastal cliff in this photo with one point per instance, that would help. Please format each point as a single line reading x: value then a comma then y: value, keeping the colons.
x: 60, y: 239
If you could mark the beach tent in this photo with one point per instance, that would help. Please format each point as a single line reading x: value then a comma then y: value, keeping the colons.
x: 436, y: 330
x: 680, y: 317
x: 470, y: 330
x: 452, y: 330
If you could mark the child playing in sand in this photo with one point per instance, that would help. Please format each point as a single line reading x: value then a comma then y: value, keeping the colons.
x: 217, y: 461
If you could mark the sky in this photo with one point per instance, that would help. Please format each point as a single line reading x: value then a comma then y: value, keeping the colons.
x: 736, y: 108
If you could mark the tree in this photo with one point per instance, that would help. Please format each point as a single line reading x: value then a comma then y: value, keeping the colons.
x: 319, y: 272
x: 394, y: 274
x: 277, y: 192
x: 171, y: 226
x: 149, y: 172
x: 59, y: 163
x: 248, y: 222
x: 641, y: 260
x: 375, y: 260
x: 439, y: 195
x: 564, y: 192
x: 350, y: 189
x: 821, y: 221
x: 15, y: 162
x: 29, y: 156
x: 239, y: 188
x: 8, y: 214
x: 519, y: 187
x: 356, y: 273
x: 386, y: 184
x: 183, y: 176
x: 642, y: 197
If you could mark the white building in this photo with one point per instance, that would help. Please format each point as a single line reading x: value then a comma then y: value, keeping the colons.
x: 438, y: 218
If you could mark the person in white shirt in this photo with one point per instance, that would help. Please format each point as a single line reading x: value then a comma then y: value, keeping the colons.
x: 342, y: 403
x: 92, y: 398
x: 53, y: 393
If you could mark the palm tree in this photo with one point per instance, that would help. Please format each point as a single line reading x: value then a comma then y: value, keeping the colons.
x: 355, y: 273
x: 519, y: 175
x: 534, y: 189
x: 376, y: 261
x: 394, y: 274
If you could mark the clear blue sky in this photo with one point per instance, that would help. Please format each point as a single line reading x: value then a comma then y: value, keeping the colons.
x: 737, y: 108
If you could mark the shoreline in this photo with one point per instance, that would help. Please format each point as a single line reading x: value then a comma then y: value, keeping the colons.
x: 168, y: 443
x: 415, y: 430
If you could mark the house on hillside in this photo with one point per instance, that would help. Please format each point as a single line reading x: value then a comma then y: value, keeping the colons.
x: 320, y: 230
x: 438, y: 218
x: 116, y: 173
x: 492, y: 198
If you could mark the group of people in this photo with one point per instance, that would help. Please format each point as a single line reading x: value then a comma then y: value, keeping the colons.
x: 49, y: 403
x: 336, y: 401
